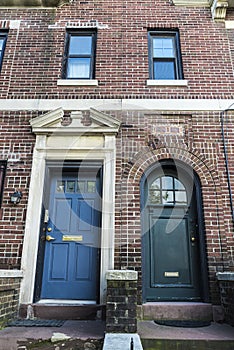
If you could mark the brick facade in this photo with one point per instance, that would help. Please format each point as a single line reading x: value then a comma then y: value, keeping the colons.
x: 9, y: 297
x: 36, y: 43
x: 121, y: 302
x: 183, y: 123
x: 226, y: 283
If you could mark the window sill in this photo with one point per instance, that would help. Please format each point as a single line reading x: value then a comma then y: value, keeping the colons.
x: 77, y: 82
x: 153, y: 82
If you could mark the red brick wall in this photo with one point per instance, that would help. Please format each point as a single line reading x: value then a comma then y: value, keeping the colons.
x: 9, y: 298
x: 34, y: 53
x: 16, y: 145
x: 227, y: 297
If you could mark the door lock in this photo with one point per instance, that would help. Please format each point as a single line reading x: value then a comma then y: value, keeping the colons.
x: 49, y: 238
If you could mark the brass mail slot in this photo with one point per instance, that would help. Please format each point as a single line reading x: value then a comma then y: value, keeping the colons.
x: 73, y: 238
x: 171, y: 274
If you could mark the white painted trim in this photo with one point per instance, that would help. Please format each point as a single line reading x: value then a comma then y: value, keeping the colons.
x: 60, y: 302
x: 32, y: 225
x: 201, y: 3
x: 77, y: 82
x: 116, y: 104
x: 229, y: 24
x: 153, y: 82
x: 225, y: 276
x: 11, y: 274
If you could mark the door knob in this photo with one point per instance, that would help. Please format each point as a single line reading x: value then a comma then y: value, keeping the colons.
x: 193, y: 239
x: 49, y: 238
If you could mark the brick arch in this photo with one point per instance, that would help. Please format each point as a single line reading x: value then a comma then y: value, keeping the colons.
x: 210, y: 185
x: 203, y: 168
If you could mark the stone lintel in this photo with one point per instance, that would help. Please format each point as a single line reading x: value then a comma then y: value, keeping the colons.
x: 201, y: 3
x: 121, y: 275
x: 225, y: 276
x: 11, y: 274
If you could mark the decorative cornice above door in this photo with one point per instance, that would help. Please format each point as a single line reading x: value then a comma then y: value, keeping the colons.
x: 51, y: 123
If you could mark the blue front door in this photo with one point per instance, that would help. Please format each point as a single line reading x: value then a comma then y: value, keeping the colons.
x: 72, y: 238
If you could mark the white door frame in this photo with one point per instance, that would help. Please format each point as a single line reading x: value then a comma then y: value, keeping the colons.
x: 73, y: 142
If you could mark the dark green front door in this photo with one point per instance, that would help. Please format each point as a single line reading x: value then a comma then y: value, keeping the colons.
x: 171, y: 239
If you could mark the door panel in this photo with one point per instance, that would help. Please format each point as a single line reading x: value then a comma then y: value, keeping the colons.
x: 85, y: 214
x: 71, y: 262
x: 170, y: 255
x: 171, y: 265
x: 83, y: 254
x: 62, y: 222
x: 59, y: 262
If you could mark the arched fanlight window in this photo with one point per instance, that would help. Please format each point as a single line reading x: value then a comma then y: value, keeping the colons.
x: 167, y: 190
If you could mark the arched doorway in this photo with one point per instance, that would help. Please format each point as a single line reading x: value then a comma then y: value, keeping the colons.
x: 173, y: 245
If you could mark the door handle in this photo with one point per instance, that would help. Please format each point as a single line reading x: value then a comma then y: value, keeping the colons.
x: 49, y: 238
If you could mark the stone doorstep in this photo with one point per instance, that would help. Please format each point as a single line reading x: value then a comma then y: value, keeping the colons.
x: 121, y: 341
x: 176, y: 311
x: 63, y: 312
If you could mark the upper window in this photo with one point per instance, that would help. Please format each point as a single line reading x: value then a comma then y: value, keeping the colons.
x: 3, y: 165
x: 79, y: 60
x: 164, y: 55
x: 3, y: 37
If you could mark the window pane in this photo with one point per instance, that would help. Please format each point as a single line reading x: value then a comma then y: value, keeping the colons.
x: 154, y: 197
x: 163, y: 47
x: 81, y: 186
x: 180, y: 197
x: 167, y: 182
x: 80, y: 45
x: 71, y: 186
x: 60, y: 186
x: 91, y: 186
x: 179, y: 185
x: 164, y: 70
x: 1, y: 45
x: 155, y: 184
x: 167, y: 197
x: 78, y: 68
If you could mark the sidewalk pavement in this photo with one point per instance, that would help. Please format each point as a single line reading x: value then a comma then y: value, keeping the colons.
x: 216, y: 331
x: 12, y: 337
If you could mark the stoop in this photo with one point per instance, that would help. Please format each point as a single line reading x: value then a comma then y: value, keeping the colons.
x: 180, y: 311
x: 59, y: 311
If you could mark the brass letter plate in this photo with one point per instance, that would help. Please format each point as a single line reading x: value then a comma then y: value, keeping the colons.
x: 171, y: 274
x: 73, y: 238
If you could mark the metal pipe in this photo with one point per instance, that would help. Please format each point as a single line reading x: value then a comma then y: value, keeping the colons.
x: 131, y: 344
x: 226, y: 160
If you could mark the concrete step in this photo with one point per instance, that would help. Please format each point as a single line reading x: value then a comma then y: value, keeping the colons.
x: 216, y: 336
x: 62, y: 312
x: 181, y: 311
x: 165, y: 344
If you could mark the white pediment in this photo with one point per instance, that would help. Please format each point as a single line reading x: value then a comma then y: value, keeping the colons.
x: 51, y: 122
